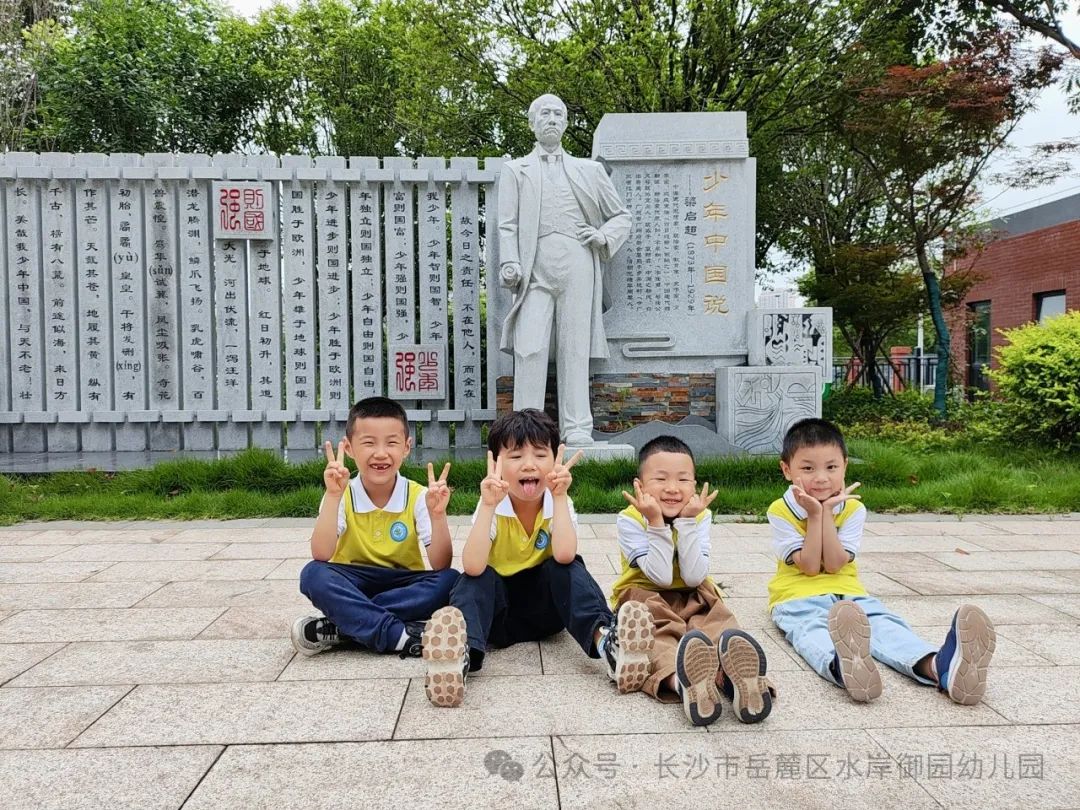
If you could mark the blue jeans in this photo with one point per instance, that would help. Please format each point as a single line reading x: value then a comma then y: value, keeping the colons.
x: 530, y: 605
x: 370, y: 604
x: 805, y: 622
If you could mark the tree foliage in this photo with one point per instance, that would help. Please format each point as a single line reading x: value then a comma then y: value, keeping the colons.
x: 926, y: 131
x: 26, y: 29
x: 146, y: 76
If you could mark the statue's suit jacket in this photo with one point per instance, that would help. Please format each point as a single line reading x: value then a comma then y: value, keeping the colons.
x: 519, y: 225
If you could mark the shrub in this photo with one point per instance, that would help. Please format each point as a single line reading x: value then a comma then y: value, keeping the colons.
x: 915, y: 436
x: 856, y: 405
x: 1038, y: 380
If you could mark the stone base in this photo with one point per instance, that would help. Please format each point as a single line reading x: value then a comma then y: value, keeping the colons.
x: 602, y: 451
x: 621, y: 402
x: 699, y: 434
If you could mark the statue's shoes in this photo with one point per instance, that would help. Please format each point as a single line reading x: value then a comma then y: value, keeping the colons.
x: 577, y: 438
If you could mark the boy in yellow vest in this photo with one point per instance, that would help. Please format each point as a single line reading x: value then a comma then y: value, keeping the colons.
x: 523, y: 579
x: 816, y: 597
x: 367, y: 574
x: 699, y: 649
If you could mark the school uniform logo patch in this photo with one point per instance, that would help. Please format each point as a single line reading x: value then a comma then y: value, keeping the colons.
x: 542, y: 540
x: 398, y: 531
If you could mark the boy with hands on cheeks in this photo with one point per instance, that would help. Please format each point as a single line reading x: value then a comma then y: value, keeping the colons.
x: 367, y: 573
x: 699, y: 650
x: 523, y: 579
x: 818, y: 600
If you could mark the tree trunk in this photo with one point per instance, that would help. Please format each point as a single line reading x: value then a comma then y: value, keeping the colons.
x: 868, y: 359
x: 933, y: 295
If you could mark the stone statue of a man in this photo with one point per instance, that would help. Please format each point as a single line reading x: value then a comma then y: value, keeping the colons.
x: 559, y: 217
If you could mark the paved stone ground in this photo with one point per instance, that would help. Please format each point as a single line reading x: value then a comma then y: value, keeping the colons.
x: 148, y: 665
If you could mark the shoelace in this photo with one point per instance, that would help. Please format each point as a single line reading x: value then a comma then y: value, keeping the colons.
x: 609, y: 641
x: 326, y: 631
x: 412, y: 643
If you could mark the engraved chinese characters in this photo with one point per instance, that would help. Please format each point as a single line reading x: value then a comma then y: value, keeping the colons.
x: 681, y: 287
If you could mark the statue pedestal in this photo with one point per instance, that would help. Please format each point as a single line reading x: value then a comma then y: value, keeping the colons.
x: 602, y: 451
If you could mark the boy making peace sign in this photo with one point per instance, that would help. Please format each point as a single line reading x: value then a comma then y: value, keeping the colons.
x: 523, y: 579
x: 367, y: 574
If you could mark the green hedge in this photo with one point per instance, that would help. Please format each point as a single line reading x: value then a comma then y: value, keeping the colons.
x: 1038, y: 380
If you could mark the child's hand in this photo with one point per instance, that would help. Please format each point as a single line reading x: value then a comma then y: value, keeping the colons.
x: 843, y: 495
x: 699, y: 502
x: 336, y: 475
x: 493, y: 489
x: 808, y: 502
x: 559, y: 479
x: 438, y: 492
x: 646, y: 504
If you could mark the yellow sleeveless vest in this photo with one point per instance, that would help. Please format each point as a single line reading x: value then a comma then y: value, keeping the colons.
x: 790, y: 583
x: 634, y: 577
x: 381, y: 538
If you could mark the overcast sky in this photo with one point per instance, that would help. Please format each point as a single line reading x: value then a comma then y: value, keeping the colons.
x: 1050, y: 122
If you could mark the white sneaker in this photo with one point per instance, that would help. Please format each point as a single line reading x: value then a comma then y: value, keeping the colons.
x: 313, y: 634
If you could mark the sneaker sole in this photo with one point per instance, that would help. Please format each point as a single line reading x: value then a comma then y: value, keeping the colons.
x: 635, y: 629
x: 299, y: 642
x: 743, y: 662
x: 850, y: 632
x: 444, y: 643
x: 975, y: 640
x: 696, y: 667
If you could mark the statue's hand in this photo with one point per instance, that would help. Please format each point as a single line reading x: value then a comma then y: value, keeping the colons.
x: 510, y: 275
x: 591, y: 237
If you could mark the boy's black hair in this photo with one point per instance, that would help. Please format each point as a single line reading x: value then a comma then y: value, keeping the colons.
x: 811, y: 433
x: 376, y: 408
x: 662, y: 444
x: 518, y: 428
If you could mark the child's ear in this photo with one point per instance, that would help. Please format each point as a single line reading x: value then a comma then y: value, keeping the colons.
x: 785, y: 469
x: 408, y: 447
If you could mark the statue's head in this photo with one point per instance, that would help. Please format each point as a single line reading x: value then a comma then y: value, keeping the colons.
x: 547, y: 118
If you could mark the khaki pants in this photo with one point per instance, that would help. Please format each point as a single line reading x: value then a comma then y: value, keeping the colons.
x: 676, y: 612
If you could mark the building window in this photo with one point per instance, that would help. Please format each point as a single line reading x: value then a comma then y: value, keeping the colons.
x: 978, y: 345
x: 1049, y: 304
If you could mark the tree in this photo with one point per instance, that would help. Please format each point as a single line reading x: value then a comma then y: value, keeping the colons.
x: 956, y: 21
x: 874, y: 293
x: 26, y: 27
x: 146, y: 76
x: 327, y: 80
x: 925, y: 134
x: 778, y: 61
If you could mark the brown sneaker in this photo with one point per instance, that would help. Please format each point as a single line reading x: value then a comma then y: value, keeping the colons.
x: 743, y: 663
x: 850, y: 632
x: 446, y: 650
x: 696, y: 666
x: 626, y: 645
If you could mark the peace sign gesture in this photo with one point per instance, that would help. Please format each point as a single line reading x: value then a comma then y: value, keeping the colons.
x: 699, y: 502
x: 336, y: 475
x: 559, y: 479
x: 842, y: 496
x: 493, y: 489
x: 438, y: 492
x: 646, y: 504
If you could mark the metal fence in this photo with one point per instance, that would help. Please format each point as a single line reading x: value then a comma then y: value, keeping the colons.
x: 906, y: 371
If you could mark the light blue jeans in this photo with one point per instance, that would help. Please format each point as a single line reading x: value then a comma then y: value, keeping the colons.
x: 805, y: 622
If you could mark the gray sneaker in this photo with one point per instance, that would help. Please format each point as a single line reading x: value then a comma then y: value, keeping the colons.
x: 313, y: 634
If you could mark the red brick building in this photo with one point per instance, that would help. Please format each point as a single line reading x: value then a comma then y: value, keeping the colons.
x: 1031, y: 271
